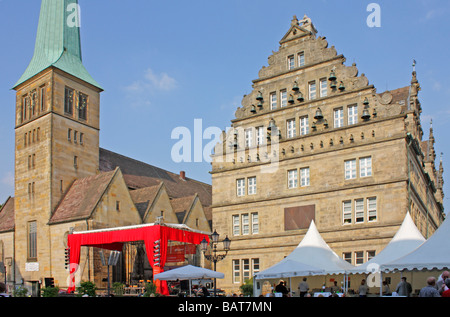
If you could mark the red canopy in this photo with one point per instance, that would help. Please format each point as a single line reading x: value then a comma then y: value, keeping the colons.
x: 155, y: 238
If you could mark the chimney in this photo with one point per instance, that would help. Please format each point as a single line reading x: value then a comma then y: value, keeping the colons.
x: 183, y: 175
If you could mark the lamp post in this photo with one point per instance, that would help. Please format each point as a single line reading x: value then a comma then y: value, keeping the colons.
x: 214, y: 257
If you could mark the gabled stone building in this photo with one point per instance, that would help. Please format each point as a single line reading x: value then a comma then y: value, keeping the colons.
x: 64, y: 181
x: 315, y: 140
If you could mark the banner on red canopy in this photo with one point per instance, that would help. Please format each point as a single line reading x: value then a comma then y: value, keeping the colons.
x: 155, y: 237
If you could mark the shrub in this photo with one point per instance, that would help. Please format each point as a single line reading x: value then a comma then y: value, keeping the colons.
x: 86, y: 288
x: 247, y: 288
x: 118, y: 288
x: 50, y: 292
x: 150, y: 289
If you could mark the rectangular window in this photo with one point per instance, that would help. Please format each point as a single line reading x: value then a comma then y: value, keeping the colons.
x: 32, y: 240
x: 236, y: 272
x: 347, y: 256
x: 246, y: 269
x: 255, y: 223
x: 240, y: 186
x: 352, y: 114
x: 245, y: 224
x: 323, y: 87
x: 42, y: 98
x: 255, y: 264
x: 339, y: 118
x: 252, y: 185
x: 75, y: 161
x: 236, y: 225
x: 301, y: 59
x: 82, y: 106
x: 372, y: 208
x: 304, y: 125
x: 347, y: 211
x: 359, y: 257
x: 291, y: 62
x: 273, y: 101
x: 365, y: 166
x: 290, y: 128
x: 69, y: 134
x: 359, y: 210
x: 350, y: 169
x: 312, y: 90
x: 24, y: 107
x: 68, y: 101
x: 370, y: 255
x: 248, y: 138
x: 283, y: 98
x: 304, y: 176
x: 81, y: 138
x: 260, y: 135
x: 292, y: 179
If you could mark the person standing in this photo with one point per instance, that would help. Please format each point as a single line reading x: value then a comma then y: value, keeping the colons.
x: 303, y: 287
x: 363, y: 289
x: 404, y: 288
x: 430, y: 290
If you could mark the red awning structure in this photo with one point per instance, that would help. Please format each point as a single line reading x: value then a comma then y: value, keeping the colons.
x: 154, y: 236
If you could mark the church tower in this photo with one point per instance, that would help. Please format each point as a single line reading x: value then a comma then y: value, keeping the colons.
x: 56, y: 132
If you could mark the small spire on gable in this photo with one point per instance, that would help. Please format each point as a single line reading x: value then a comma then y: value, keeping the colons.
x: 299, y: 29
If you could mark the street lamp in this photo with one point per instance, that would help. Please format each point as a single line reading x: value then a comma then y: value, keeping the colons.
x: 214, y: 257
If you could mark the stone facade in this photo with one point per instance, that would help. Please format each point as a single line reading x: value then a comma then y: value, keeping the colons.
x: 315, y: 141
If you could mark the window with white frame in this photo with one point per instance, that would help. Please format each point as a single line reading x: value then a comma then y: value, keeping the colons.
x: 252, y: 185
x: 304, y: 125
x: 312, y: 90
x: 370, y: 255
x: 240, y: 187
x: 255, y: 223
x: 248, y: 137
x: 260, y: 135
x: 301, y: 59
x: 352, y: 114
x: 338, y: 117
x: 347, y: 256
x: 292, y: 179
x: 304, y: 176
x: 359, y: 210
x: 290, y: 128
x: 236, y: 225
x: 291, y: 62
x: 323, y: 87
x: 283, y: 98
x: 359, y: 257
x: 245, y: 224
x: 273, y: 100
x: 372, y: 209
x: 245, y: 269
x: 347, y: 211
x: 365, y: 166
x: 236, y: 271
x: 350, y: 169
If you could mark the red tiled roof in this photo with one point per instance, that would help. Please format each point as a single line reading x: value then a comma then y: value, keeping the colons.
x: 82, y: 197
x: 7, y: 215
x: 138, y: 174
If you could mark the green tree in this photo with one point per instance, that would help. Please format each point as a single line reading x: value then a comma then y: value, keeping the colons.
x: 86, y: 288
x: 247, y: 288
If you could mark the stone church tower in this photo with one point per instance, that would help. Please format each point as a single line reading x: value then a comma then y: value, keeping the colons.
x: 56, y: 131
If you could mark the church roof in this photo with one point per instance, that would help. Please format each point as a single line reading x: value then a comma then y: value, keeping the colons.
x: 7, y: 215
x: 138, y: 174
x: 82, y: 197
x: 58, y: 42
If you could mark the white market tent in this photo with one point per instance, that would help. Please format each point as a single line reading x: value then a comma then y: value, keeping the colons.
x: 188, y: 272
x: 407, y: 239
x: 312, y: 256
x: 432, y: 254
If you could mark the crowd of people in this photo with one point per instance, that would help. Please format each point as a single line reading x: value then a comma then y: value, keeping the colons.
x: 434, y: 288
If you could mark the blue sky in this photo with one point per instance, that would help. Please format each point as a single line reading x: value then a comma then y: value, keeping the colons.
x: 164, y: 64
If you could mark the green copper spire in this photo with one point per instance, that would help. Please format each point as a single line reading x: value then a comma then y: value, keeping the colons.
x: 58, y: 41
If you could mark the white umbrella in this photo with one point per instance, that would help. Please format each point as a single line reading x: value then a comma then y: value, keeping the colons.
x: 188, y: 272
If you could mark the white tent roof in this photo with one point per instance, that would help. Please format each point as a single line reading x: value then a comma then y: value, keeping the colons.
x: 407, y: 238
x: 288, y: 268
x: 188, y: 272
x: 432, y: 254
x: 312, y: 256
